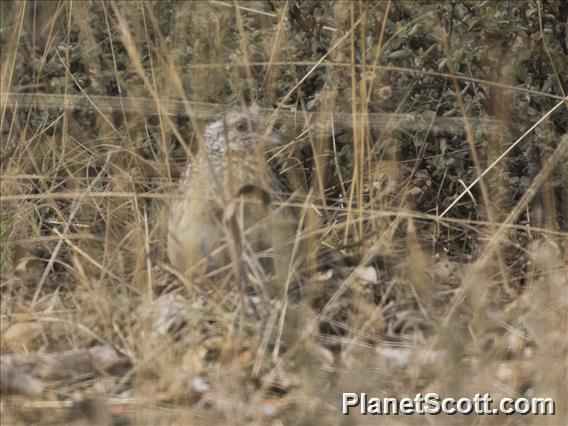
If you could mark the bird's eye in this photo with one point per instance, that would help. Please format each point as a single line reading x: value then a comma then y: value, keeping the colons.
x: 241, y: 125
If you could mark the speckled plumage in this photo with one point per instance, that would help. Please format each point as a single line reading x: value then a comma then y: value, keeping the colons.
x: 230, y: 161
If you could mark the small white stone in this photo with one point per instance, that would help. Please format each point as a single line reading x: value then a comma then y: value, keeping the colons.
x: 199, y: 385
x: 367, y: 274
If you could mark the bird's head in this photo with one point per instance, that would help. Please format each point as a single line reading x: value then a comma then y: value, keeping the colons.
x: 241, y: 132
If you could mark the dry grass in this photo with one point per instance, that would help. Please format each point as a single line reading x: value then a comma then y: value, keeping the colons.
x: 426, y: 258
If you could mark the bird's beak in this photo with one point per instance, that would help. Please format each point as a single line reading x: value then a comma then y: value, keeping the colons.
x: 274, y: 138
x: 271, y: 137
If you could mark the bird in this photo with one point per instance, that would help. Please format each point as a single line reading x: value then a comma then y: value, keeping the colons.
x: 227, y: 188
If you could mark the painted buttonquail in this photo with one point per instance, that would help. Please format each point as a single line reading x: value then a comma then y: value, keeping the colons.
x: 228, y: 178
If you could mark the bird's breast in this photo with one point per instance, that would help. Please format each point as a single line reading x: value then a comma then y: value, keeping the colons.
x: 224, y: 178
